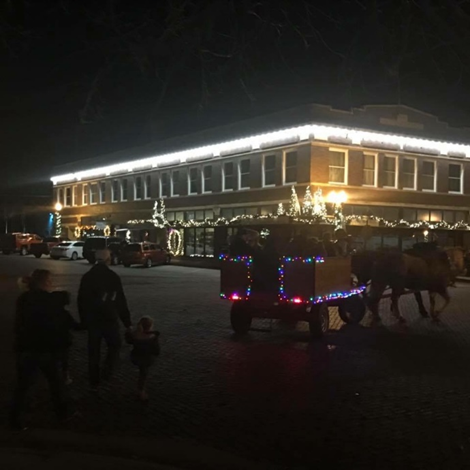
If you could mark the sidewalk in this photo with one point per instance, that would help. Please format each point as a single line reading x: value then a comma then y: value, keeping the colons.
x: 59, y: 449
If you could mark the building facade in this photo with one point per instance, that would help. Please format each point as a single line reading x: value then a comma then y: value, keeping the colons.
x: 394, y: 163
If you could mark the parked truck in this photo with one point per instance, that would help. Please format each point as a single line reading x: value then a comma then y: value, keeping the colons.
x: 18, y: 242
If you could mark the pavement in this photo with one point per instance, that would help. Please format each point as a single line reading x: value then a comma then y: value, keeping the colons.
x: 393, y: 396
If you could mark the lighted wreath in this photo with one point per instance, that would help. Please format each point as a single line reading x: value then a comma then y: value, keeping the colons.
x: 175, y: 242
x: 78, y: 231
x: 107, y: 231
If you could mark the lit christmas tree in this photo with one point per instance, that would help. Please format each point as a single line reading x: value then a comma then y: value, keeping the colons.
x: 294, y: 206
x: 158, y: 216
x: 319, y: 206
x: 280, y: 209
x: 307, y: 204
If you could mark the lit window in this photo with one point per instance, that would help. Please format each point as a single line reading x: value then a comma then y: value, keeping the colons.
x: 115, y: 191
x: 369, y: 170
x: 409, y: 173
x: 85, y: 194
x: 102, y: 192
x: 68, y: 197
x: 455, y: 178
x: 337, y: 167
x: 148, y: 187
x: 269, y: 170
x: 228, y: 176
x: 290, y: 167
x: 207, y: 179
x: 390, y: 172
x: 124, y: 190
x: 165, y: 185
x: 244, y: 170
x: 193, y: 181
x: 175, y: 183
x: 93, y: 193
x: 138, y: 188
x: 74, y: 196
x: 428, y: 176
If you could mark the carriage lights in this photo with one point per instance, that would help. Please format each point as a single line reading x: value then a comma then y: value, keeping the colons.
x: 248, y: 260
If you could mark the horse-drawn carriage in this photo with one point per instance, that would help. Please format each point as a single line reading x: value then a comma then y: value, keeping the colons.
x: 303, y: 290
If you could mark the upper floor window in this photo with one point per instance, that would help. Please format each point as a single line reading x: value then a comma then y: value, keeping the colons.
x: 68, y: 197
x: 390, y: 171
x: 74, y: 196
x: 60, y: 196
x: 165, y: 184
x: 115, y: 191
x: 102, y: 192
x: 207, y: 179
x: 85, y: 194
x: 244, y: 173
x: 124, y: 190
x: 369, y: 170
x: 138, y: 187
x: 428, y: 176
x: 290, y: 167
x: 148, y: 187
x: 269, y: 170
x: 409, y: 173
x: 175, y: 183
x: 337, y: 167
x: 93, y: 193
x: 228, y: 176
x: 193, y: 181
x: 455, y: 178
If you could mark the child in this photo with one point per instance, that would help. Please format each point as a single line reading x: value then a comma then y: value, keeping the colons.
x: 146, y: 348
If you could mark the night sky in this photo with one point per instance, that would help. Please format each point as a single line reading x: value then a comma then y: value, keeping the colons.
x: 83, y: 78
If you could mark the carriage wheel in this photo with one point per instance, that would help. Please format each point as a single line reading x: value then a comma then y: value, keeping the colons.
x: 240, y: 317
x: 352, y: 310
x: 320, y: 322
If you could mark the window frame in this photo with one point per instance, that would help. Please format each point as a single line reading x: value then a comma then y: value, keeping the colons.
x: 172, y: 183
x: 346, y: 165
x: 97, y: 193
x: 136, y: 197
x: 121, y: 187
x: 395, y: 157
x: 74, y: 195
x: 263, y: 170
x: 115, y: 195
x: 195, y: 180
x: 461, y: 178
x: 85, y: 194
x: 68, y: 188
x: 434, y: 176
x: 233, y: 175
x: 415, y: 174
x: 203, y: 179
x: 148, y: 187
x: 284, y: 166
x: 102, y: 192
x: 240, y: 174
x: 168, y: 175
x: 376, y: 169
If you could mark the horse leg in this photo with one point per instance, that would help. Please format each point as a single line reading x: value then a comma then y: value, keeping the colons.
x: 445, y: 295
x: 432, y: 303
x: 373, y: 300
x: 395, y: 308
x: 419, y: 301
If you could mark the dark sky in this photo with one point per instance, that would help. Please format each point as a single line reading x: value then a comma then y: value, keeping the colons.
x: 82, y: 78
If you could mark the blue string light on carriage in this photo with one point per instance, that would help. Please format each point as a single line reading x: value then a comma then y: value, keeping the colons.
x: 248, y: 260
x: 313, y: 300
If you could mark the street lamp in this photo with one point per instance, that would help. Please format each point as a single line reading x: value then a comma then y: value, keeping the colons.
x: 338, y: 199
x: 58, y: 219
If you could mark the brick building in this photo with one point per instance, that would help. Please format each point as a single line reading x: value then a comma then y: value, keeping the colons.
x: 394, y: 162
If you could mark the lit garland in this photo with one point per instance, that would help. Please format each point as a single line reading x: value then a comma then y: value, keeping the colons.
x: 175, y: 242
x: 248, y: 261
x: 58, y: 224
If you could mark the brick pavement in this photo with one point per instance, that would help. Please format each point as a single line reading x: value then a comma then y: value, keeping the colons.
x: 386, y: 397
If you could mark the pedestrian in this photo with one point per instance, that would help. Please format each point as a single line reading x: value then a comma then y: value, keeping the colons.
x: 101, y: 305
x: 41, y: 336
x: 145, y: 349
x: 329, y: 246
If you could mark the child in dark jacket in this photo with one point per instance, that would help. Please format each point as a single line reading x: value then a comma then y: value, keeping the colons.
x: 145, y: 349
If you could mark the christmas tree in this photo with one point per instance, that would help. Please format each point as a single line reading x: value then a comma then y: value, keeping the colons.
x: 319, y: 206
x: 158, y: 216
x: 294, y: 206
x: 307, y: 205
x: 280, y: 209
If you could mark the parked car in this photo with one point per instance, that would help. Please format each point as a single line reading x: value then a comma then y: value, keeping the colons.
x: 70, y: 250
x: 44, y: 248
x: 18, y: 242
x: 113, y: 244
x: 145, y: 254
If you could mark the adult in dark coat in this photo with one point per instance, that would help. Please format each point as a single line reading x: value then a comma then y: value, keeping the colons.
x: 42, y: 335
x: 101, y: 305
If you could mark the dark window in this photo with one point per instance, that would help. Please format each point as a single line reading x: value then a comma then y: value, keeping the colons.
x: 124, y: 190
x: 85, y: 194
x: 269, y: 172
x: 409, y: 215
x: 193, y: 181
x: 115, y: 191
x: 337, y: 167
x: 423, y: 215
x: 390, y: 172
x: 455, y: 178
x: 138, y: 188
x: 368, y: 172
x: 93, y: 193
x: 175, y: 183
x: 207, y: 188
x: 228, y: 176
x: 68, y: 196
x: 409, y: 173
x: 428, y: 176
x: 60, y: 196
x: 102, y: 191
x: 165, y: 181
x: 290, y: 175
x: 244, y: 169
x: 148, y: 187
x: 391, y: 213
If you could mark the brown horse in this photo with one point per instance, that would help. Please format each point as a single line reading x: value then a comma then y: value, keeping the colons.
x: 425, y: 267
x: 457, y: 261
